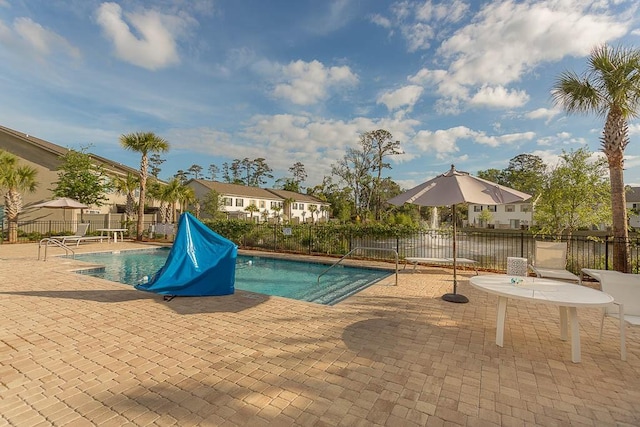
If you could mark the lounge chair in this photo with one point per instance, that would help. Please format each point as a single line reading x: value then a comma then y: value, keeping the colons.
x: 625, y: 290
x: 80, y: 235
x: 550, y: 261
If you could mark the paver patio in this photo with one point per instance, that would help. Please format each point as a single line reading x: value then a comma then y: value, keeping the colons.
x: 77, y: 350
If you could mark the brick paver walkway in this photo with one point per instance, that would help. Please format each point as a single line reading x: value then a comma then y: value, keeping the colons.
x: 76, y: 350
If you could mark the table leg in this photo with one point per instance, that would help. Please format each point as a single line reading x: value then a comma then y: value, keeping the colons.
x: 502, y: 314
x: 563, y: 323
x: 575, y: 335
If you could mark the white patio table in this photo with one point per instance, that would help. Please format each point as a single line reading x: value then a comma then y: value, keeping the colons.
x: 567, y: 296
x: 115, y: 232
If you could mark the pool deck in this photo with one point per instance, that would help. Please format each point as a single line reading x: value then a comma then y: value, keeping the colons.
x: 78, y: 350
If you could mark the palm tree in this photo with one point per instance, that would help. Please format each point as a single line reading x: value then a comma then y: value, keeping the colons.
x: 252, y: 209
x: 186, y: 195
x: 15, y: 179
x: 313, y: 209
x: 610, y: 88
x: 127, y: 185
x: 168, y: 195
x: 143, y: 143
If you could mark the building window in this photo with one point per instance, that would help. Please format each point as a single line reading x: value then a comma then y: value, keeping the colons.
x: 477, y: 208
x: 227, y: 201
x: 252, y: 203
x: 262, y: 204
x: 239, y: 202
x: 509, y: 208
x: 491, y: 208
x: 301, y: 206
x: 276, y: 205
x: 525, y: 208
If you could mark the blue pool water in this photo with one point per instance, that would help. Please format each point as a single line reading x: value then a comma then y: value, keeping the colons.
x: 270, y: 276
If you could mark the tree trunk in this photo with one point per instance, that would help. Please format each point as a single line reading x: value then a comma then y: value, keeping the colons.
x: 621, y: 260
x: 614, y: 140
x: 144, y: 164
x: 13, y: 205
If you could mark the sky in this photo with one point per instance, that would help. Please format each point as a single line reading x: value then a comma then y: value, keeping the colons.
x: 455, y: 82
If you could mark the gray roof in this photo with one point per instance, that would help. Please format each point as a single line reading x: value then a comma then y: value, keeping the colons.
x: 236, y: 189
x: 633, y: 194
x: 257, y: 192
x: 58, y: 150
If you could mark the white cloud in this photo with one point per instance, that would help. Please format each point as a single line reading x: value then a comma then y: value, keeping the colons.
x: 418, y: 35
x: 155, y: 48
x: 309, y: 82
x: 508, y: 39
x: 561, y: 138
x: 496, y: 141
x: 29, y: 36
x: 543, y: 113
x: 499, y: 96
x: 421, y: 22
x: 444, y: 142
x: 405, y: 96
x: 381, y: 21
x: 634, y: 129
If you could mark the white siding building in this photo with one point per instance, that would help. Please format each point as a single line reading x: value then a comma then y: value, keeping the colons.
x: 271, y: 205
x: 512, y: 216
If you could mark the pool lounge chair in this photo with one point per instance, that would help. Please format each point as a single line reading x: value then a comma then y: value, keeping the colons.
x: 80, y: 236
x: 550, y: 261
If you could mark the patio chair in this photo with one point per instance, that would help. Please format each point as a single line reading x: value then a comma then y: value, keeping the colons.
x: 80, y: 235
x: 550, y: 261
x: 625, y: 290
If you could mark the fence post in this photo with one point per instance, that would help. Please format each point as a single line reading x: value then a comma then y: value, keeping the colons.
x: 521, y: 244
x: 310, y: 237
x: 606, y: 253
x: 275, y: 237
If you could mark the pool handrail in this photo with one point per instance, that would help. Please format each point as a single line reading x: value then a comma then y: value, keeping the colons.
x: 355, y: 249
x: 55, y: 242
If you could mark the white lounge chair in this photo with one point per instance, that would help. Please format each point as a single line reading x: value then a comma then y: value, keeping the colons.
x: 80, y: 235
x: 625, y: 290
x: 550, y: 261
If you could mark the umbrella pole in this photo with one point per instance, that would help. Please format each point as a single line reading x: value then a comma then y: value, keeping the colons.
x: 455, y: 296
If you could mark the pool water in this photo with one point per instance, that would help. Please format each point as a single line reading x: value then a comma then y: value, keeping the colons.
x: 270, y: 276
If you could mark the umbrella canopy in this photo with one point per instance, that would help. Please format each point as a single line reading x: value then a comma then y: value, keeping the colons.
x: 451, y: 188
x: 455, y: 187
x: 62, y: 203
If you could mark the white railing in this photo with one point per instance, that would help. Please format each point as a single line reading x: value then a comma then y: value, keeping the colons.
x: 55, y: 242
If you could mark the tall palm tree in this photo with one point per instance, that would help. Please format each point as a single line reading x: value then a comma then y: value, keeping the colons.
x: 143, y: 143
x: 127, y: 186
x: 15, y: 179
x: 610, y: 88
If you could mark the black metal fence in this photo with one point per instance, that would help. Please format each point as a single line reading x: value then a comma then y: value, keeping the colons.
x: 489, y: 247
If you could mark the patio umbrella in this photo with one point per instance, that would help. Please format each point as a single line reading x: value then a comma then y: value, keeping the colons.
x: 455, y: 187
x: 61, y: 203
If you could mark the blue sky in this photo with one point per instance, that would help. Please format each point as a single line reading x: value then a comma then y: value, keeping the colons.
x: 456, y: 82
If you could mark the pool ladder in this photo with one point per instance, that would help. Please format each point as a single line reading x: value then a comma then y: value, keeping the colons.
x: 358, y: 248
x: 54, y: 242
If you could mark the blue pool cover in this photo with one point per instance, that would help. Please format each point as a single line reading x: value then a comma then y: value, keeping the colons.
x: 201, y: 263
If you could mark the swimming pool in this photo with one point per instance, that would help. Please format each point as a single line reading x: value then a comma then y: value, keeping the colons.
x: 270, y: 276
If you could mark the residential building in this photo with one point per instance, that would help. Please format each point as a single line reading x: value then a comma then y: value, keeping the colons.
x: 633, y: 205
x: 46, y: 157
x: 510, y: 216
x: 271, y: 204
